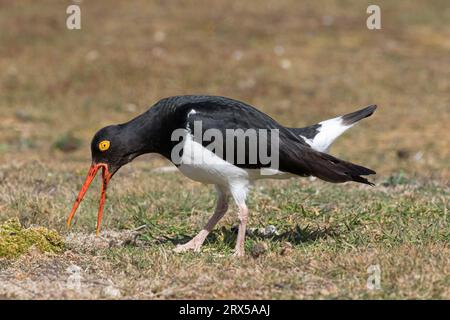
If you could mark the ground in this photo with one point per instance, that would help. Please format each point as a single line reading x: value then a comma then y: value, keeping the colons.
x: 300, y: 63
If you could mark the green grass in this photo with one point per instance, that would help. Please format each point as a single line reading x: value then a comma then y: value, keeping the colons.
x: 327, y: 236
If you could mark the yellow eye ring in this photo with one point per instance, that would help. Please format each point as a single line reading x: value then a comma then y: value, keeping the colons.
x: 104, y: 145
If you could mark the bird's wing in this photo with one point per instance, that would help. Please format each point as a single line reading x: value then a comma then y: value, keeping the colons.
x: 246, y: 130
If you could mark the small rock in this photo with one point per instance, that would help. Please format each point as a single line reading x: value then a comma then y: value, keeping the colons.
x: 270, y: 230
x: 111, y: 292
x: 159, y: 36
x: 92, y: 55
x: 418, y: 156
x: 285, y: 64
x: 286, y: 248
x: 259, y: 249
x: 251, y: 231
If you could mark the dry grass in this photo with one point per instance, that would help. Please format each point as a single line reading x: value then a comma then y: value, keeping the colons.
x: 57, y: 83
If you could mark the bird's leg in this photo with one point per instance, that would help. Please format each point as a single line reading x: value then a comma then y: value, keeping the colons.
x: 196, y: 242
x: 239, y: 250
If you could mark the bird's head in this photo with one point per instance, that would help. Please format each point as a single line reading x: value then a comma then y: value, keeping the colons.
x: 111, y: 148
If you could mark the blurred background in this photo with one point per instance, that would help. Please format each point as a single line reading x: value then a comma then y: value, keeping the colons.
x: 300, y: 62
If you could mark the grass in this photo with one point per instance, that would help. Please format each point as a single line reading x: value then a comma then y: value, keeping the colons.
x: 60, y: 86
x: 325, y: 240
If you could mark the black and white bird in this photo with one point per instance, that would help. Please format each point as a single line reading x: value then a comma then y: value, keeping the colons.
x: 169, y: 129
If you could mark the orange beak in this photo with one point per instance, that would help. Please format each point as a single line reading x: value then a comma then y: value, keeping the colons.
x: 106, y: 176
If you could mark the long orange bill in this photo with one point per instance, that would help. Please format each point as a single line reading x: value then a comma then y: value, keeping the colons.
x: 105, y: 179
x: 90, y: 177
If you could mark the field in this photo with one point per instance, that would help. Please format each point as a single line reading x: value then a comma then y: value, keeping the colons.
x: 300, y: 62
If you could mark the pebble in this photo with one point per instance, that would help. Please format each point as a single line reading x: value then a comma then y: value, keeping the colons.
x: 259, y: 249
x: 286, y: 248
x: 111, y: 292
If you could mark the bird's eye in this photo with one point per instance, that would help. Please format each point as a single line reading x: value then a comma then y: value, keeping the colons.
x: 104, y: 145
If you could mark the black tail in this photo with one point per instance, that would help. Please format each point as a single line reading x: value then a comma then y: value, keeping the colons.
x: 329, y: 168
x: 340, y: 169
x: 305, y: 161
x: 353, y: 117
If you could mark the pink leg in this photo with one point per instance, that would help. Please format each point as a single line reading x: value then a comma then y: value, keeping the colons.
x: 221, y: 208
x: 239, y: 250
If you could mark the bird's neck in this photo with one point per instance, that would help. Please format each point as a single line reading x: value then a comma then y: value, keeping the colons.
x: 148, y: 133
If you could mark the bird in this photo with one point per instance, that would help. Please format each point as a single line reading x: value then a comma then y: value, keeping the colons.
x: 183, y: 128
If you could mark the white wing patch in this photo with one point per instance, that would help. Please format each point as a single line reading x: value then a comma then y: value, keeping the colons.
x: 329, y: 130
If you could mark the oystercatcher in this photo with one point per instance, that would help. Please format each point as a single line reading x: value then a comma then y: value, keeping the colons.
x: 183, y: 129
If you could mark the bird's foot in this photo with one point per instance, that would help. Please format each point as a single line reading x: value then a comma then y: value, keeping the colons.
x: 193, y: 245
x: 238, y: 252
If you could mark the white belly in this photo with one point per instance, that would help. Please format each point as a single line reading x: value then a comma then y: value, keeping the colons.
x: 200, y: 164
